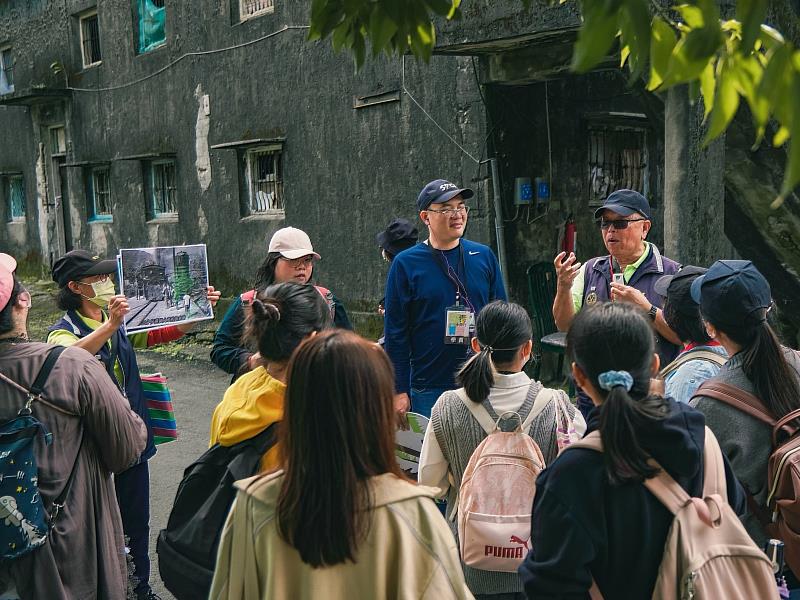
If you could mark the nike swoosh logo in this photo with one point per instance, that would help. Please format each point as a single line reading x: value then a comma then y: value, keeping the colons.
x: 471, y: 253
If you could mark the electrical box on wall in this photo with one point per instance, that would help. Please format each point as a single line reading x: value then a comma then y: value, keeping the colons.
x: 542, y: 190
x: 523, y: 191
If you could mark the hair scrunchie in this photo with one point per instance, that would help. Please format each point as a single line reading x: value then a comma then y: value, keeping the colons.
x: 611, y: 379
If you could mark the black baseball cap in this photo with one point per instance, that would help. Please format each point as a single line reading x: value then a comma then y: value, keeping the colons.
x: 80, y: 263
x: 677, y: 288
x: 731, y: 291
x: 441, y: 190
x: 625, y: 203
x: 399, y: 235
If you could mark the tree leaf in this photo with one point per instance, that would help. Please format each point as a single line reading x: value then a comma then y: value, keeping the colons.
x: 662, y: 43
x: 624, y: 53
x: 775, y: 82
x: 726, y: 102
x: 692, y: 15
x: 751, y: 14
x: 707, y: 87
x: 595, y: 37
x: 634, y: 22
x: 381, y: 30
x: 791, y: 177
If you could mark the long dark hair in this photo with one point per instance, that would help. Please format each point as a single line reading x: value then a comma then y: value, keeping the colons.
x: 501, y: 328
x: 615, y: 336
x: 686, y: 323
x: 281, y: 316
x: 337, y: 432
x: 265, y: 276
x: 764, y: 362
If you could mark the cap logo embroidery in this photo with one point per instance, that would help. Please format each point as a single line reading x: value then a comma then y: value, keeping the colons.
x: 447, y: 186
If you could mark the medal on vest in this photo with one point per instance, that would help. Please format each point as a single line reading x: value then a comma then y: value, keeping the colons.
x: 591, y: 297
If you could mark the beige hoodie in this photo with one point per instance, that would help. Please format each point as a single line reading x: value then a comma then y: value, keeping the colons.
x: 409, y: 551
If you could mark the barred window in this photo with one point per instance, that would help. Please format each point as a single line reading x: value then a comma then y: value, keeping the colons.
x: 265, y: 179
x: 99, y: 194
x: 617, y: 159
x: 6, y: 70
x: 254, y: 8
x: 163, y: 189
x: 90, y: 39
x: 14, y: 189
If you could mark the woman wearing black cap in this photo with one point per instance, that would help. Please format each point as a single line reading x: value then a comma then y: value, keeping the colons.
x: 734, y: 299
x: 399, y: 235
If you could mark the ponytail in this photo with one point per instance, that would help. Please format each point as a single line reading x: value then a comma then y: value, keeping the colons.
x: 621, y: 418
x: 764, y: 364
x: 477, y: 376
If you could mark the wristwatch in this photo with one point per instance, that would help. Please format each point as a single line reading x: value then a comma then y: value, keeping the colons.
x: 653, y: 312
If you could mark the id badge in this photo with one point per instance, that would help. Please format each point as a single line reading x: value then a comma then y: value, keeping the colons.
x: 459, y: 325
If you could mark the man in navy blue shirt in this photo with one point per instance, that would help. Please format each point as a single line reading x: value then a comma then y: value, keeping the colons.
x: 433, y: 293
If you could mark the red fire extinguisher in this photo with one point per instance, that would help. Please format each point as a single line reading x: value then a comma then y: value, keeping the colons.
x: 570, y: 236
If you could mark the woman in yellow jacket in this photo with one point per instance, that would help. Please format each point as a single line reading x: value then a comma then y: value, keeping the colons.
x: 281, y: 316
x: 340, y: 520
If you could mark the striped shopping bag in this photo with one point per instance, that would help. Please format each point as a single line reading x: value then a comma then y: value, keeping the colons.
x: 159, y: 407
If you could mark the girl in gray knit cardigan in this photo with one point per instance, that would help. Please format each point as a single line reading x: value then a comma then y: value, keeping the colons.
x: 492, y: 383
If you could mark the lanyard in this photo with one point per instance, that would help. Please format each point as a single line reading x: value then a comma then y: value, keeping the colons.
x: 452, y: 274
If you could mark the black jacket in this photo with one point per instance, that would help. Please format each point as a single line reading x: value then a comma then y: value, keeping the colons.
x: 583, y: 527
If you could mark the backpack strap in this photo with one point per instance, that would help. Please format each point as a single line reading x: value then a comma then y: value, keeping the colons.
x: 693, y: 354
x: 591, y: 441
x: 735, y: 397
x: 247, y: 297
x: 265, y: 440
x: 713, y: 468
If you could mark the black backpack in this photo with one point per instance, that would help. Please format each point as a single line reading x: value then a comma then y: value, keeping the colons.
x: 187, y: 548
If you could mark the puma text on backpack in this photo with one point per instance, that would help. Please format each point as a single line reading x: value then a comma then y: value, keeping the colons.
x: 496, y: 495
x: 781, y: 516
x: 187, y: 548
x: 708, y: 554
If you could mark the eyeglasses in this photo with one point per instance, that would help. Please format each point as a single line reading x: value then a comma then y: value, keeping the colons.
x: 451, y: 212
x: 617, y: 223
x: 99, y: 279
x: 304, y: 261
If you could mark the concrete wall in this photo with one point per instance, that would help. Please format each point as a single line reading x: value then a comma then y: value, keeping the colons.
x: 347, y: 172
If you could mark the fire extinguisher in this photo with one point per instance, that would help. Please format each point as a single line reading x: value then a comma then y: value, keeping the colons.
x: 570, y: 238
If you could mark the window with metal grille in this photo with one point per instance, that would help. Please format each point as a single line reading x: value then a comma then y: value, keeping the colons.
x: 90, y: 39
x: 265, y: 179
x: 15, y: 197
x: 163, y: 191
x: 254, y: 8
x: 617, y: 159
x: 99, y: 194
x: 6, y: 70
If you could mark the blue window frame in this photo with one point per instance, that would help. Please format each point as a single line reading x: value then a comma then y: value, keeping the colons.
x: 14, y: 191
x: 98, y: 194
x: 152, y: 24
x: 162, y: 198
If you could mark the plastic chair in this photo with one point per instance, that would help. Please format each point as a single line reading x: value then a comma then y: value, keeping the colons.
x: 546, y: 337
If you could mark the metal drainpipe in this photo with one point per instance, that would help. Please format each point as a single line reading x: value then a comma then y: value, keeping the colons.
x: 499, y: 225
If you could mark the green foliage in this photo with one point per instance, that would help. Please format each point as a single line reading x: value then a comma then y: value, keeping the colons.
x: 723, y: 62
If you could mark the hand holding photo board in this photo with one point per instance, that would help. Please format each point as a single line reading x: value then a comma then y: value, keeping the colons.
x: 164, y: 286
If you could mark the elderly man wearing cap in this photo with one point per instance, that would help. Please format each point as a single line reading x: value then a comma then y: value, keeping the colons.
x: 433, y: 293
x: 701, y: 357
x: 627, y: 274
x: 95, y: 433
x: 290, y: 257
x: 734, y: 299
x: 93, y: 321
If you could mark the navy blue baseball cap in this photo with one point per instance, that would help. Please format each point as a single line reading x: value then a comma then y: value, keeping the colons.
x: 625, y: 203
x: 730, y: 291
x: 440, y: 190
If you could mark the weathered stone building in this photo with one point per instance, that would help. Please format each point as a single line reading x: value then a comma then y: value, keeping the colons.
x: 128, y: 123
